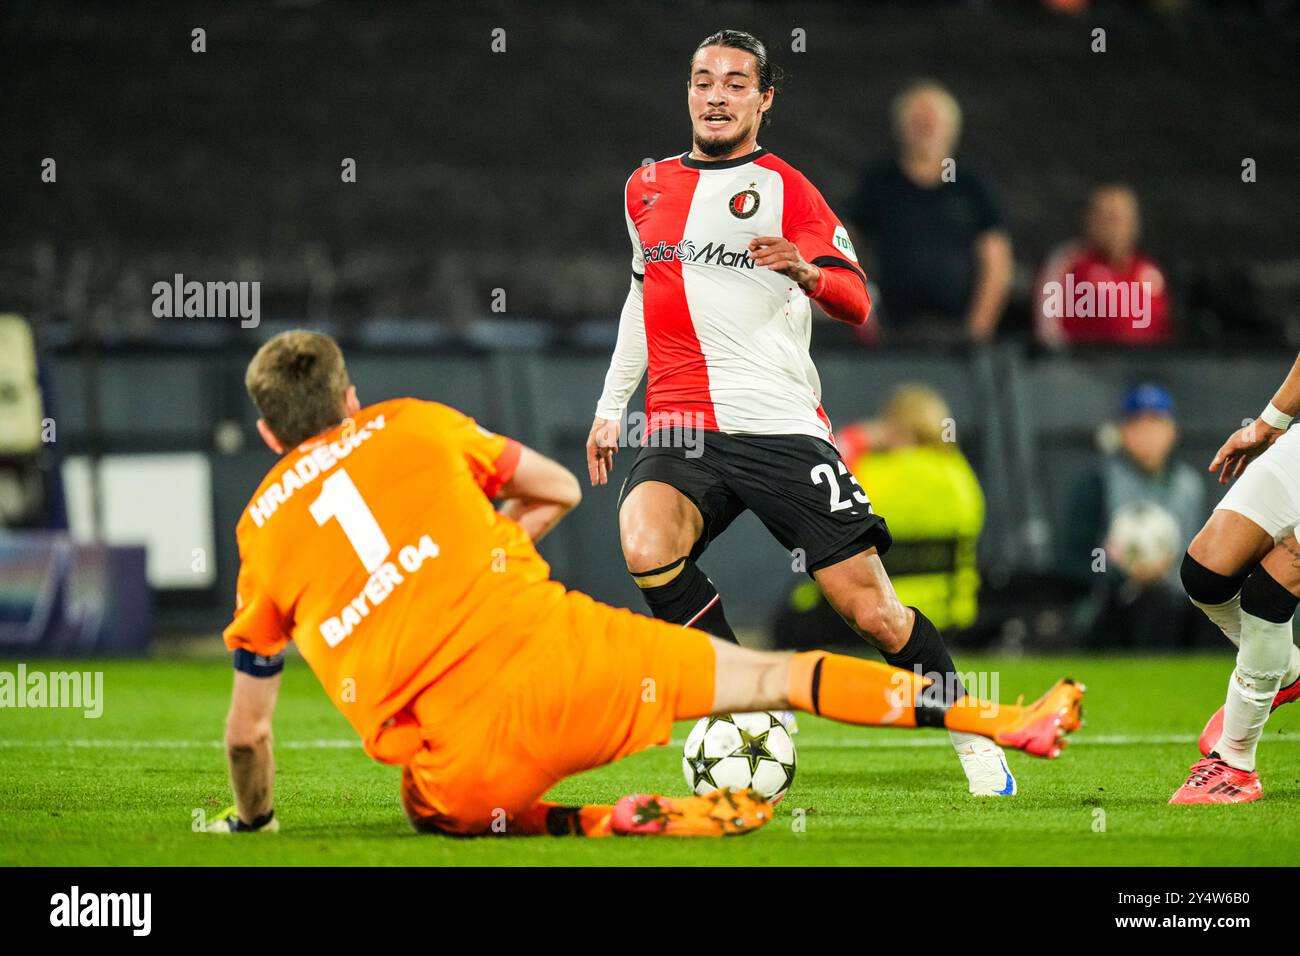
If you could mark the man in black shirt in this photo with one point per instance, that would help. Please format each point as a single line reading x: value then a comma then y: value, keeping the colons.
x: 943, y: 257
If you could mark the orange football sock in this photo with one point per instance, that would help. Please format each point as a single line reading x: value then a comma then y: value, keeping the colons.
x: 983, y: 717
x: 872, y: 694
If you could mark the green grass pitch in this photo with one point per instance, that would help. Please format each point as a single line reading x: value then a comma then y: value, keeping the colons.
x: 123, y: 789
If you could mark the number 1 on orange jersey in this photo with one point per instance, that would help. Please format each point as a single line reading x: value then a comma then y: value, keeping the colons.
x: 339, y: 498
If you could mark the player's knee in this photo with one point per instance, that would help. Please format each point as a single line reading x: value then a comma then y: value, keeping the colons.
x: 648, y: 549
x: 1264, y: 597
x: 1208, y: 587
x: 247, y: 737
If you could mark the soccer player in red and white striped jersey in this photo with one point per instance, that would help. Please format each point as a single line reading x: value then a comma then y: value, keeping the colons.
x: 730, y: 246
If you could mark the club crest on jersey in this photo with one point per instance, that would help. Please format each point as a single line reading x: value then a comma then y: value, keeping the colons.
x: 744, y: 204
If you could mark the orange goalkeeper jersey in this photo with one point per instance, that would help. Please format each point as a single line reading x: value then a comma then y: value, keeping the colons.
x: 375, y: 547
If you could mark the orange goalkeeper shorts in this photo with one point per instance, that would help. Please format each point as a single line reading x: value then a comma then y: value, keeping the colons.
x: 595, y: 684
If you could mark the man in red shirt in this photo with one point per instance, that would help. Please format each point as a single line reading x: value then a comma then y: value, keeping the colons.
x: 1101, y: 290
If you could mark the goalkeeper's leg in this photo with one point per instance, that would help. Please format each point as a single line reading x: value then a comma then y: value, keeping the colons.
x: 720, y: 813
x: 872, y: 694
x: 555, y: 819
x: 843, y: 688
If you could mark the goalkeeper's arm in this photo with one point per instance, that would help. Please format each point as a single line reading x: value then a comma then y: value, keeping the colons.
x: 248, y: 746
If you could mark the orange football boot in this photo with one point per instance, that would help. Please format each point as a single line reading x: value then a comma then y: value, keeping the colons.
x: 1212, y: 780
x: 1044, y: 724
x: 722, y: 812
x: 1214, y: 726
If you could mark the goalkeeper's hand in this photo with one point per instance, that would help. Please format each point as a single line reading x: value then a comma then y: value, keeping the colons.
x: 227, y: 821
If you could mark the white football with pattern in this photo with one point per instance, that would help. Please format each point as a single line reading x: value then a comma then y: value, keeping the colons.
x: 744, y: 751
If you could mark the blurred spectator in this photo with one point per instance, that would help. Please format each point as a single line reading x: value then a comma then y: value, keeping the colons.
x: 942, y: 256
x: 917, y: 478
x: 31, y: 488
x: 1101, y: 289
x: 1130, y: 517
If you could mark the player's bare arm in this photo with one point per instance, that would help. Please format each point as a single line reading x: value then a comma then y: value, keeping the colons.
x: 248, y: 749
x: 539, y: 494
x: 1253, y: 439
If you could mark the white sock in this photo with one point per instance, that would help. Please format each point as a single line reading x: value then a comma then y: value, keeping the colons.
x: 1262, y: 659
x: 1227, y: 618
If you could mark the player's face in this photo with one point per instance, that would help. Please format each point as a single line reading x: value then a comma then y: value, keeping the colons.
x: 725, y: 103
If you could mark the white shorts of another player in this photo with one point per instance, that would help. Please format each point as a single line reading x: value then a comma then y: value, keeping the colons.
x: 1268, y: 491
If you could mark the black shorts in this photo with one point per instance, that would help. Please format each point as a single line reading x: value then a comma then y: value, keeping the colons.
x: 797, y: 485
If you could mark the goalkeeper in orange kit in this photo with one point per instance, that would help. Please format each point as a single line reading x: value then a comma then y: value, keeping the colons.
x: 432, y: 623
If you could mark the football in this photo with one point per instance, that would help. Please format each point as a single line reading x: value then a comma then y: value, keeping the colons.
x: 740, y: 750
x: 1143, y: 534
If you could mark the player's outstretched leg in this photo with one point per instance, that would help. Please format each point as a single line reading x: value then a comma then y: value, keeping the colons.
x: 871, y: 694
x: 1268, y: 602
x: 861, y: 592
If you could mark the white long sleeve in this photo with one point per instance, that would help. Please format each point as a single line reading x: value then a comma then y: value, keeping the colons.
x: 628, y: 362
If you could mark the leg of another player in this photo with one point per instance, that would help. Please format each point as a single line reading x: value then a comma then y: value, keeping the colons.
x: 1214, y: 569
x: 860, y: 591
x: 1266, y: 653
x: 868, y: 693
x: 658, y: 527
